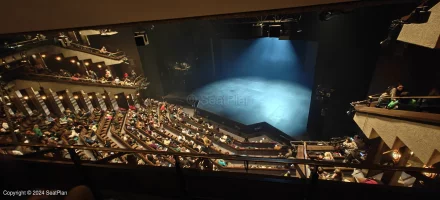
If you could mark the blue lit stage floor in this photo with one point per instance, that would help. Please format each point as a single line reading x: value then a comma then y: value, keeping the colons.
x: 284, y: 105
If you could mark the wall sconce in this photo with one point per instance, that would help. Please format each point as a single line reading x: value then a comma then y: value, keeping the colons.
x: 43, y: 97
x: 396, y: 156
x: 43, y: 55
x: 60, y: 97
x: 3, y: 61
x: 99, y: 66
x: 116, y: 96
x: 58, y: 58
x: 137, y: 94
x: 75, y: 97
x: 25, y: 97
x: 103, y: 97
x: 128, y: 96
x: 86, y: 63
x: 72, y: 61
x: 34, y: 56
x: 90, y: 97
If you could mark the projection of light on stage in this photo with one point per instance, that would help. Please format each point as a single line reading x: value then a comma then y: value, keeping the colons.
x: 263, y: 80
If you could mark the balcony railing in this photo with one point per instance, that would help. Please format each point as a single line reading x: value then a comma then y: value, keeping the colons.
x: 119, y: 55
x: 294, y: 164
x: 42, y: 77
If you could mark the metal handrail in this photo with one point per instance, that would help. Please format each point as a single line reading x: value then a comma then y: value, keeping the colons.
x: 55, y: 77
x: 406, y: 97
x: 114, y: 55
x: 235, y: 157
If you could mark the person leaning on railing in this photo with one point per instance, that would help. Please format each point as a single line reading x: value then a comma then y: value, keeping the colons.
x: 388, y: 97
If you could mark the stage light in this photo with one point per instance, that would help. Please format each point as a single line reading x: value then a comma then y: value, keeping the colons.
x: 103, y: 97
x: 43, y: 97
x: 60, y: 97
x: 43, y: 55
x: 75, y: 97
x: 116, y: 96
x: 99, y: 66
x: 128, y: 96
x: 90, y: 97
x: 3, y: 61
x: 34, y: 56
x: 86, y: 63
x: 72, y: 61
x: 58, y: 58
x: 25, y: 97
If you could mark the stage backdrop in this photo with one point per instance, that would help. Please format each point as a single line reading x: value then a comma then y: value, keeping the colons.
x: 262, y: 80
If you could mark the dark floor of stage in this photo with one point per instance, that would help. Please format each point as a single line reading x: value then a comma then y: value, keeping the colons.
x: 284, y: 105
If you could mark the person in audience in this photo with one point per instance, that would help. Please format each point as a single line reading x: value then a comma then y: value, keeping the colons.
x: 223, y: 138
x: 133, y: 75
x: 349, y: 145
x: 322, y: 174
x: 384, y: 98
x: 117, y: 81
x: 359, y: 142
x: 289, y: 153
x: 103, y: 50
x: 206, y: 141
x: 5, y: 127
x: 93, y: 75
x: 108, y: 74
x: 397, y: 91
x: 37, y: 131
x: 337, y: 175
x: 328, y: 156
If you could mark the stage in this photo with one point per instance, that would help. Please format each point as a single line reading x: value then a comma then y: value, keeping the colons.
x: 248, y: 100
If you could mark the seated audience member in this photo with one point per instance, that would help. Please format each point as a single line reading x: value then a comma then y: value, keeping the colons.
x: 349, y: 145
x: 206, y: 141
x: 223, y: 138
x: 337, y: 175
x: 289, y: 153
x: 320, y: 157
x: 103, y: 50
x: 322, y: 174
x: 328, y: 156
x: 37, y: 131
x: 359, y: 142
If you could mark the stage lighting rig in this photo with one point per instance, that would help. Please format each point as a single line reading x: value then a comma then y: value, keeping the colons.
x: 323, y: 95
